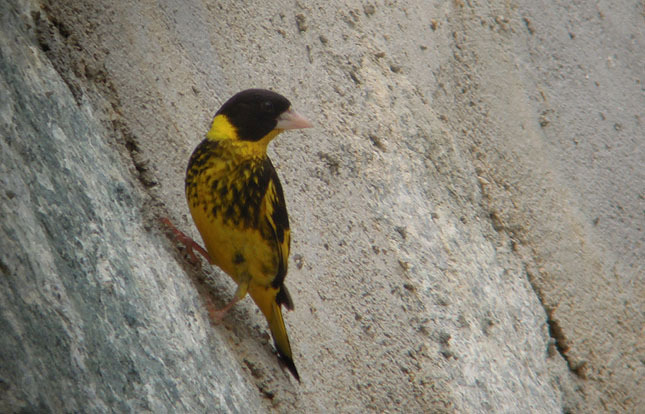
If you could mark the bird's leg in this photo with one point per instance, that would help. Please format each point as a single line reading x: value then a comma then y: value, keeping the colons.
x: 191, y: 245
x: 218, y: 314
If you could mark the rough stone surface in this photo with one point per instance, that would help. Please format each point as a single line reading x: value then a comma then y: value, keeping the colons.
x: 468, y: 214
x: 88, y: 324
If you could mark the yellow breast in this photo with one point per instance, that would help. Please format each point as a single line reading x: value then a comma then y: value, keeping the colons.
x: 226, y: 196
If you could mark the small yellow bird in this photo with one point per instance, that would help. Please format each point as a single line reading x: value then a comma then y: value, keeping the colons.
x: 237, y: 204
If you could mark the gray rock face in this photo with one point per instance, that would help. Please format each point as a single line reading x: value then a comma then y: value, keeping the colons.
x: 92, y: 318
x: 467, y: 214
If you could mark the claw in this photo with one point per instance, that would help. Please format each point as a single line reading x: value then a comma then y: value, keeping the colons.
x: 218, y: 314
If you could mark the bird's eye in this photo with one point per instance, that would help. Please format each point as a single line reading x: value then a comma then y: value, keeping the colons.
x: 267, y: 106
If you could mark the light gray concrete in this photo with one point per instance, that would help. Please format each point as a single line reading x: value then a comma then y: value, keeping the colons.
x: 467, y: 215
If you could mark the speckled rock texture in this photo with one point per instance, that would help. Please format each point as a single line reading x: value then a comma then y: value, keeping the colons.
x: 467, y: 215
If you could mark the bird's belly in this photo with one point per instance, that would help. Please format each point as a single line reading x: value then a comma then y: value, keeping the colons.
x: 240, y: 251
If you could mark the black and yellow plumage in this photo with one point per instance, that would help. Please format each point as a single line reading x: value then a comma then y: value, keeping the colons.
x: 237, y: 203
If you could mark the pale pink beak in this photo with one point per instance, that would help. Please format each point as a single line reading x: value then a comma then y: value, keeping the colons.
x: 291, y: 119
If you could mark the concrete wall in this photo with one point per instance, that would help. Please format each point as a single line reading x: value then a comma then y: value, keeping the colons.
x: 468, y: 213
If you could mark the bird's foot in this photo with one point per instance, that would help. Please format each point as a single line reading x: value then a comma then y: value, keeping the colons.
x: 218, y: 314
x: 191, y: 245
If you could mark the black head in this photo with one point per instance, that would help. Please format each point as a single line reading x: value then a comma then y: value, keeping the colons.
x: 254, y: 112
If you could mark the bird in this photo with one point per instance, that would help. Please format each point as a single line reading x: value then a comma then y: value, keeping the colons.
x: 237, y: 204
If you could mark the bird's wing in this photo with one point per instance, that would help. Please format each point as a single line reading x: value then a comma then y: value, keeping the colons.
x: 277, y: 221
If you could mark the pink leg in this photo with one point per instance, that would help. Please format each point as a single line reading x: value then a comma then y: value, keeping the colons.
x: 218, y: 314
x: 242, y: 288
x: 191, y: 245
